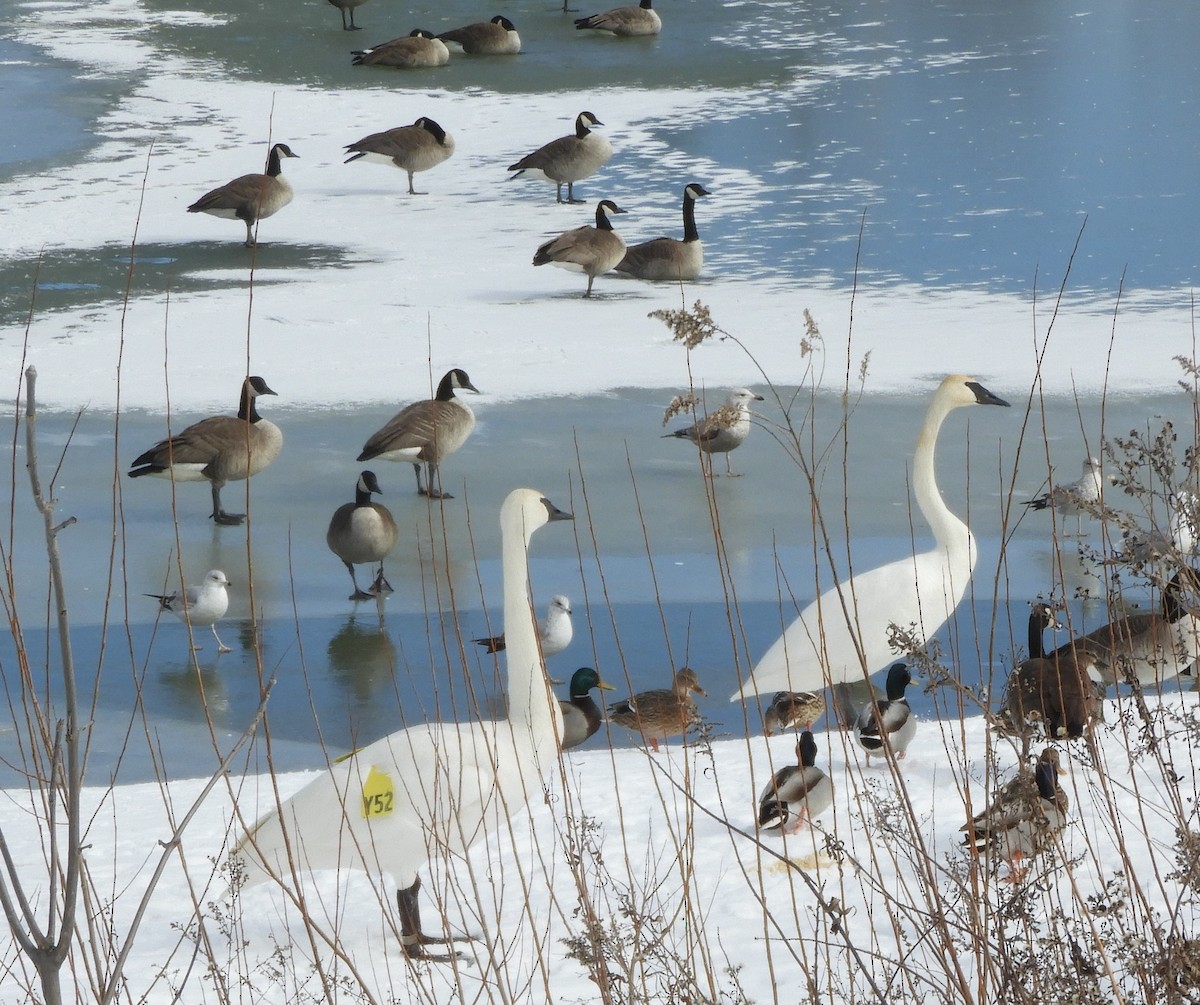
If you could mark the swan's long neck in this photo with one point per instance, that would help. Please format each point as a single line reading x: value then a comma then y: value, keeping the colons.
x: 951, y: 533
x: 531, y: 705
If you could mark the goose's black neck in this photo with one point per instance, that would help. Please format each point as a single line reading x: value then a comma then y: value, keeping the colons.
x: 274, y: 169
x: 445, y: 390
x: 1037, y: 631
x: 581, y: 128
x: 690, y: 233
x: 248, y: 409
x: 602, y: 220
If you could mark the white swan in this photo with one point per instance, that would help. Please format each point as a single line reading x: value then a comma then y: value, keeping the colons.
x: 440, y: 785
x: 830, y: 643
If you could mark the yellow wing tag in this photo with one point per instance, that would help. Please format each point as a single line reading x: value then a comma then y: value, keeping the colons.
x: 378, y: 795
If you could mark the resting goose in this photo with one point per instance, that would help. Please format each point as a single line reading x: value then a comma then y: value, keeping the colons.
x: 796, y: 793
x: 661, y: 713
x: 426, y: 432
x: 590, y: 250
x: 723, y: 431
x: 416, y: 50
x: 666, y: 258
x: 497, y: 37
x: 824, y: 646
x: 252, y: 197
x: 569, y: 158
x: 888, y: 723
x: 555, y: 631
x: 219, y: 449
x: 1153, y: 647
x: 624, y: 22
x: 200, y: 606
x: 363, y: 532
x: 581, y: 715
x: 418, y: 147
x: 347, y: 6
x: 438, y: 785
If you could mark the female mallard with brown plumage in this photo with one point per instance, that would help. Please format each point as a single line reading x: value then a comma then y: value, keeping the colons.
x: 1022, y: 820
x: 793, y: 710
x: 661, y: 713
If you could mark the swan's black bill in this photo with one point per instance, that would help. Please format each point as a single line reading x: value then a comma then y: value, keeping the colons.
x: 985, y: 397
x: 555, y: 512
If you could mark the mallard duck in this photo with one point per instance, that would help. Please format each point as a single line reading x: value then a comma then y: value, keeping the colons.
x: 796, y: 794
x: 250, y: 197
x: 434, y: 788
x: 1055, y: 690
x: 890, y: 721
x: 219, y: 449
x: 793, y: 710
x: 662, y: 713
x: 200, y: 606
x: 363, y: 532
x: 555, y: 630
x: 1024, y: 816
x: 581, y: 715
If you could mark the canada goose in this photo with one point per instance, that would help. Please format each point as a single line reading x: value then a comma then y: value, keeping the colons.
x: 723, y: 431
x: 1024, y: 817
x: 252, y: 197
x: 416, y: 50
x: 363, y: 531
x: 791, y: 710
x: 1055, y: 690
x: 347, y: 6
x: 666, y: 258
x: 426, y: 432
x: 569, y: 158
x: 1153, y: 647
x: 200, y: 606
x: 581, y: 715
x: 796, y: 793
x: 497, y: 37
x: 888, y: 723
x: 824, y: 645
x: 555, y: 631
x: 1078, y: 498
x: 219, y: 449
x: 418, y: 147
x: 624, y: 22
x: 444, y: 785
x: 661, y: 713
x: 590, y: 250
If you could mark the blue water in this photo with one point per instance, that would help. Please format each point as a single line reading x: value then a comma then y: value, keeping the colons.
x: 973, y: 142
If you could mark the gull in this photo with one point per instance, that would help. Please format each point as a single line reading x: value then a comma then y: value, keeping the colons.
x: 200, y: 606
x: 555, y: 630
x: 1077, y: 498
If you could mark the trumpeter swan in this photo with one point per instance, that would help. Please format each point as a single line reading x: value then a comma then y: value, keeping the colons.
x: 845, y: 630
x: 443, y: 785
